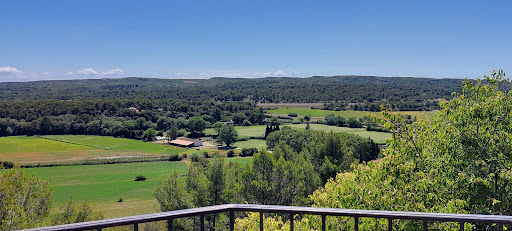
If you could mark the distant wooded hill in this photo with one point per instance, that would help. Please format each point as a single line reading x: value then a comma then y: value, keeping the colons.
x: 417, y: 93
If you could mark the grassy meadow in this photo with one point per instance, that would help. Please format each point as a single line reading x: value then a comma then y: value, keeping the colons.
x: 103, y: 185
x: 32, y: 149
x: 346, y: 114
x: 252, y: 143
x: 117, y: 144
x: 243, y: 131
x: 378, y: 137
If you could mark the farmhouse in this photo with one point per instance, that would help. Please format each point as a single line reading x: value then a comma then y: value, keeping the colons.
x: 186, y: 142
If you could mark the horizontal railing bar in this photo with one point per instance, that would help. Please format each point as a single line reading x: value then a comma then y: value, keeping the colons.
x: 447, y: 217
x: 443, y: 217
x: 137, y: 219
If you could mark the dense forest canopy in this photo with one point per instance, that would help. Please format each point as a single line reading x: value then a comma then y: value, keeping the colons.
x: 346, y: 89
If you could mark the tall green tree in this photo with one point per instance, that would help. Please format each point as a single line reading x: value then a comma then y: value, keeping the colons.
x: 172, y: 133
x: 217, y: 126
x: 228, y: 134
x: 24, y: 200
x: 196, y: 125
x: 149, y: 134
x: 171, y: 195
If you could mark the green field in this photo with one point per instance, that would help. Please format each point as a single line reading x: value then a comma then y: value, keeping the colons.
x: 252, y: 143
x: 117, y: 144
x: 346, y: 114
x: 243, y: 131
x: 241, y: 160
x: 33, y: 144
x: 104, y: 184
x: 378, y: 137
x: 31, y: 149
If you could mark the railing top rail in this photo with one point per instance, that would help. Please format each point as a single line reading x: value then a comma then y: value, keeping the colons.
x: 453, y: 217
x: 137, y: 219
x: 446, y: 217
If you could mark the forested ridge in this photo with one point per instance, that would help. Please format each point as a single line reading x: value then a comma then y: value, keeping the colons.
x: 346, y: 89
x: 128, y: 107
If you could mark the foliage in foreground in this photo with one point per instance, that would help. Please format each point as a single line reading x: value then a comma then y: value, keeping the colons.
x: 459, y: 161
x: 69, y: 213
x: 25, y: 202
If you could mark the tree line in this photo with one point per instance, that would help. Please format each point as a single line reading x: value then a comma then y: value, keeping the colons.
x: 338, y: 92
x: 119, y: 118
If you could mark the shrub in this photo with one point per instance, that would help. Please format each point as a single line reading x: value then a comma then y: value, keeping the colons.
x: 284, y: 117
x: 248, y: 151
x: 292, y: 114
x: 140, y: 178
x: 6, y: 165
x: 120, y: 200
x: 196, y: 157
x: 231, y: 153
x: 175, y: 157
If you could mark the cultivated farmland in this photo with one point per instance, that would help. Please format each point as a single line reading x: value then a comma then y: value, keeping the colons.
x: 47, y: 149
x: 104, y: 185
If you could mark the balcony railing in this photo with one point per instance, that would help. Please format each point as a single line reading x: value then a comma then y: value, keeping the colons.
x: 290, y: 210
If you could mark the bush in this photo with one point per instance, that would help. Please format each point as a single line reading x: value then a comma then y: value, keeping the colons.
x: 292, y: 114
x: 175, y: 157
x: 231, y: 153
x: 284, y: 117
x: 196, y: 157
x: 120, y: 200
x: 248, y: 151
x: 354, y: 123
x: 140, y: 178
x: 184, y: 156
x: 376, y: 129
x: 6, y: 165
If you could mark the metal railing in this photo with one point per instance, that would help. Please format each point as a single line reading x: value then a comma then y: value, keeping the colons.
x: 291, y: 210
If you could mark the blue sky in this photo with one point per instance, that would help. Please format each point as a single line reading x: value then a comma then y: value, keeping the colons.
x: 201, y: 39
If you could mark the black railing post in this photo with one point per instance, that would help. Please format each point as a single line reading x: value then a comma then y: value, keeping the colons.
x: 232, y: 220
x: 390, y: 224
x: 136, y: 227
x: 356, y: 223
x: 261, y: 221
x: 201, y: 217
x: 169, y: 224
x: 98, y: 229
x: 461, y: 226
x: 291, y: 221
x: 323, y: 222
x: 500, y: 227
x: 425, y: 225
